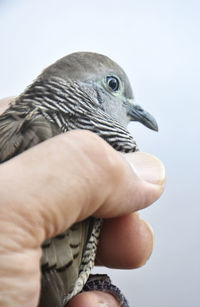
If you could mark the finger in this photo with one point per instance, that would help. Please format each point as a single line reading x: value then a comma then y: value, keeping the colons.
x: 137, y: 189
x: 49, y: 185
x: 94, y: 299
x: 125, y: 242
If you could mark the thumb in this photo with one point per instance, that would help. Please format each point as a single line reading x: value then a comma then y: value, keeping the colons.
x: 139, y: 185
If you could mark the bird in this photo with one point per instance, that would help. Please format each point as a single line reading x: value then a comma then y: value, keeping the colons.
x: 83, y: 90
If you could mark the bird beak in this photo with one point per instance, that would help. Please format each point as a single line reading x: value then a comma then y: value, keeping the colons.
x: 136, y: 113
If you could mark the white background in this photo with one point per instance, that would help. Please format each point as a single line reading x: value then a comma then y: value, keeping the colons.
x: 157, y: 43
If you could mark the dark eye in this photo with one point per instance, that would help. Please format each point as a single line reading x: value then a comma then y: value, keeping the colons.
x: 113, y: 83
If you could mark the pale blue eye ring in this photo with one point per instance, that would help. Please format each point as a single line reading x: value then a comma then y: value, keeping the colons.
x: 113, y: 83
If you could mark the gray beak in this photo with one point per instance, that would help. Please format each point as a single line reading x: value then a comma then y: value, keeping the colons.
x: 136, y: 113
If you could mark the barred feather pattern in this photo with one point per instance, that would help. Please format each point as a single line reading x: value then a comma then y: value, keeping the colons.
x: 55, y: 264
x: 47, y: 108
x: 87, y: 262
x: 70, y: 105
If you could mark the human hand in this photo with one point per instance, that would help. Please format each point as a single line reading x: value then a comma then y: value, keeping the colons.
x: 59, y: 182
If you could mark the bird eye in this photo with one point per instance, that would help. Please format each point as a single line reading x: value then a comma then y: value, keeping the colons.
x: 113, y: 83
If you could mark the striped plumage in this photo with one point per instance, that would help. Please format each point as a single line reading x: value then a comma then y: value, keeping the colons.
x: 71, y: 94
x: 67, y: 261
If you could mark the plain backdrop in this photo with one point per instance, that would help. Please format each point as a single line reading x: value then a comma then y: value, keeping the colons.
x: 157, y: 43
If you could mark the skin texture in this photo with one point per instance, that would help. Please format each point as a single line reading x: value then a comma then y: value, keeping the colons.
x: 64, y: 180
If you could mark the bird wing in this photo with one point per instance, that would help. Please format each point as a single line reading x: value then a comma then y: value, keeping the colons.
x: 61, y: 259
x: 20, y: 131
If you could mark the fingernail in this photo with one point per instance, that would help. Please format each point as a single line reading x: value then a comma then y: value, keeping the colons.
x: 106, y: 299
x: 147, y: 167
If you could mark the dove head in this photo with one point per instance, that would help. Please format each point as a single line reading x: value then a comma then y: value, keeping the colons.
x: 107, y: 80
